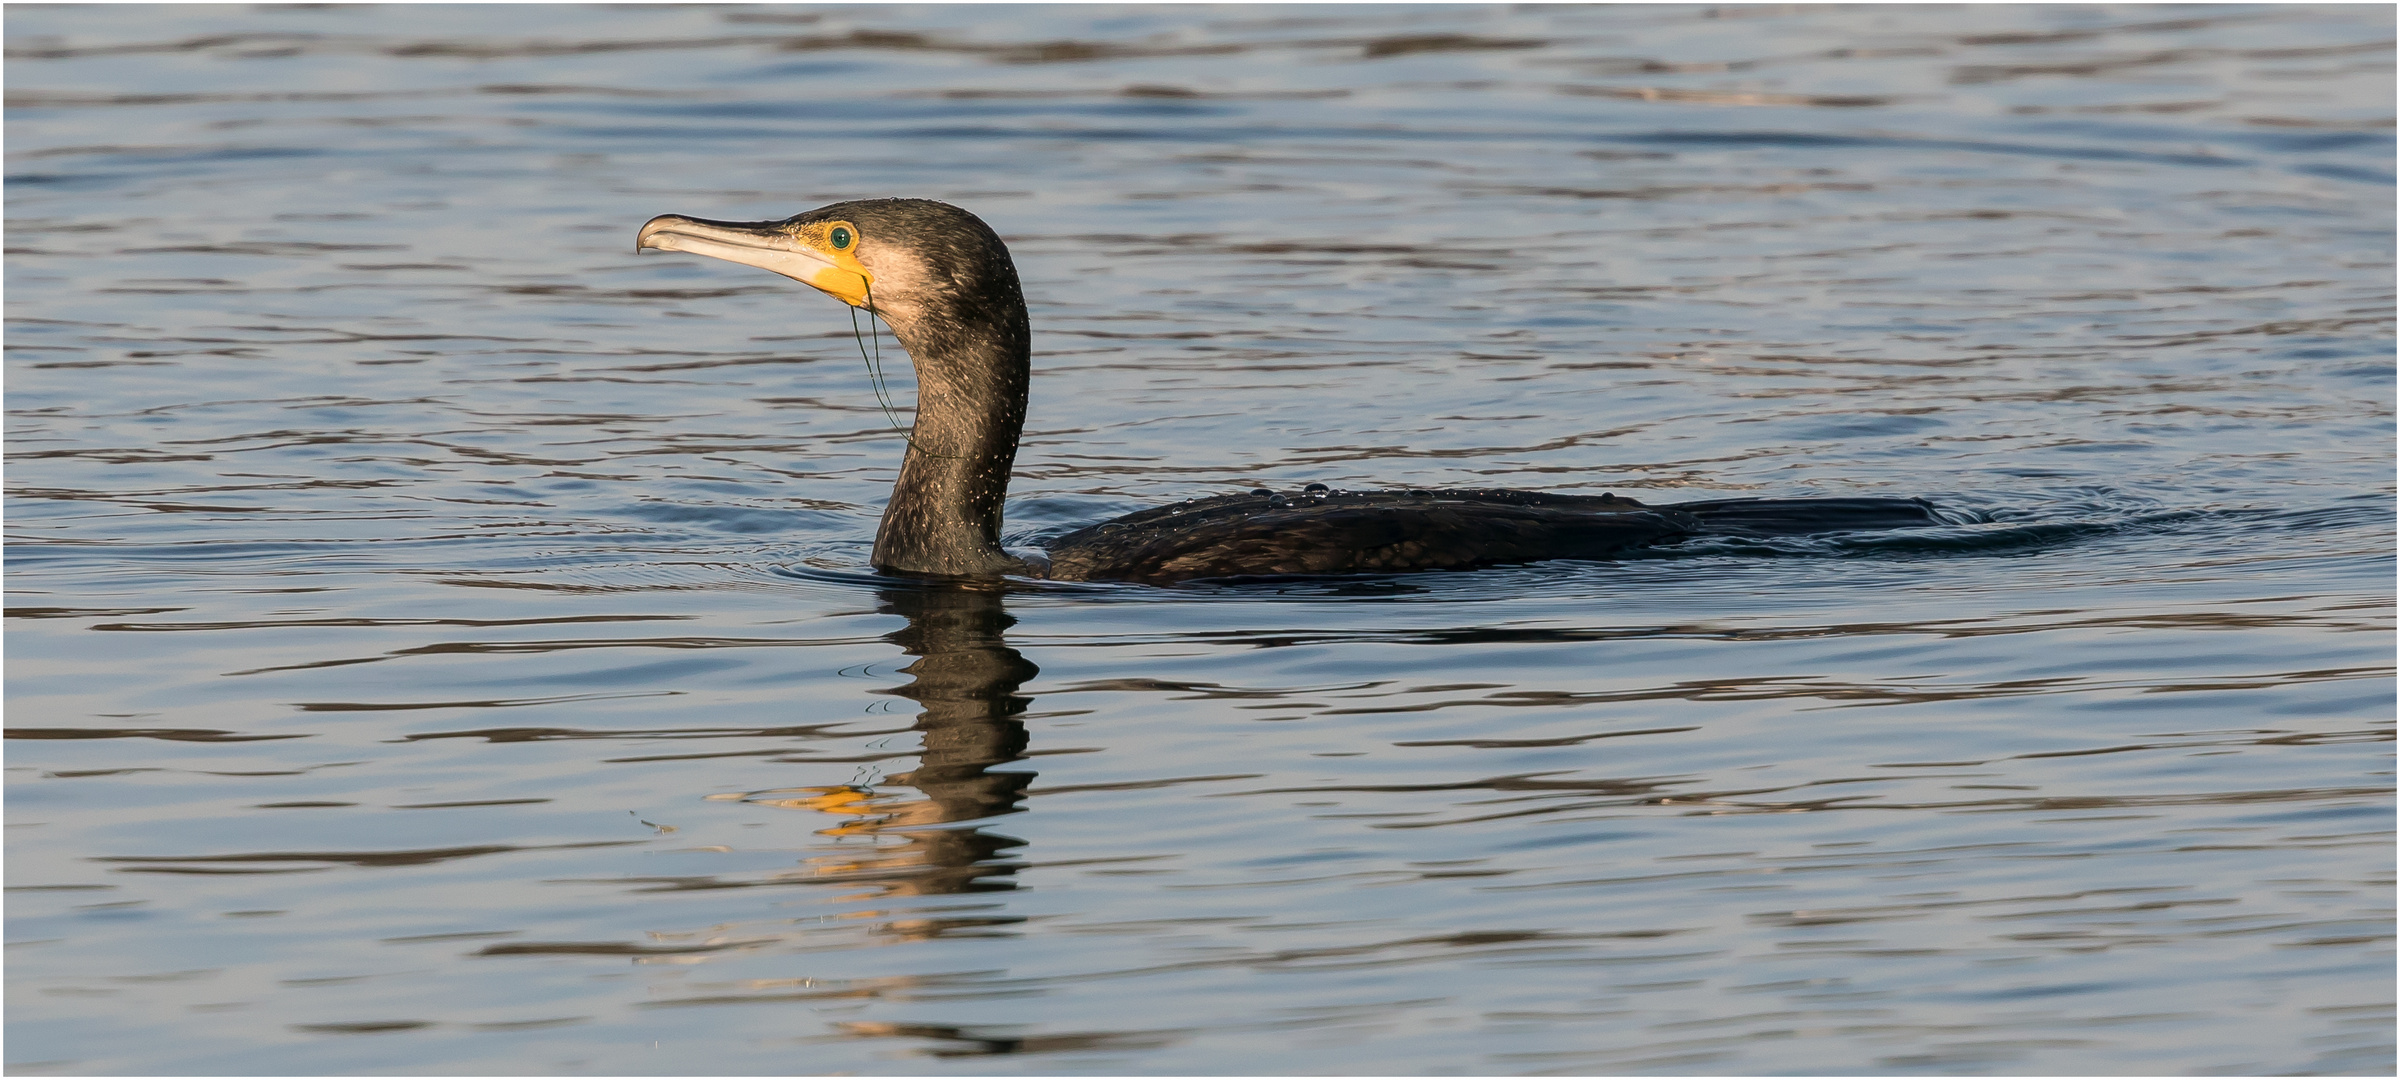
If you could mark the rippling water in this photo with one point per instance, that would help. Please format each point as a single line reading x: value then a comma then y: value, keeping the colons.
x: 442, y: 640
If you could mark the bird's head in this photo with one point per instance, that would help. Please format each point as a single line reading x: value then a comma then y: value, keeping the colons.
x: 899, y: 258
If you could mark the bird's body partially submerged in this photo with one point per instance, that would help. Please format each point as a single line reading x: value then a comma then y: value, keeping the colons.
x: 944, y: 283
x: 1346, y: 532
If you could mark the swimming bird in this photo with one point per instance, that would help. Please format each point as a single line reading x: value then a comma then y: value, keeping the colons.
x: 944, y: 283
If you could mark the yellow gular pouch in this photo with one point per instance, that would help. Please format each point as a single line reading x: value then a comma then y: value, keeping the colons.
x: 836, y: 242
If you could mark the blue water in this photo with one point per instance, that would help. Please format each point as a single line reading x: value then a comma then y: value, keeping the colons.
x: 443, y: 642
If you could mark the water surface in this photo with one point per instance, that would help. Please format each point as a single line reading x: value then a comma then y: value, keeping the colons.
x: 442, y: 640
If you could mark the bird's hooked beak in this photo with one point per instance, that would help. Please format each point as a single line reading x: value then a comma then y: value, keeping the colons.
x: 800, y: 252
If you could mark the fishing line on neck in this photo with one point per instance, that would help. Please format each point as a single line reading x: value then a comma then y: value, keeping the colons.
x: 875, y: 378
x: 883, y: 395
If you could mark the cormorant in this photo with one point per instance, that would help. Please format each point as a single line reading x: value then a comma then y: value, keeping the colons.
x: 944, y: 283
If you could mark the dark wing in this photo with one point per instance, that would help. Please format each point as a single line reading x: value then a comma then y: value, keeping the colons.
x: 1356, y: 532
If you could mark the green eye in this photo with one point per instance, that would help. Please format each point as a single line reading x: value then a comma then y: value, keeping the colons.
x: 841, y: 238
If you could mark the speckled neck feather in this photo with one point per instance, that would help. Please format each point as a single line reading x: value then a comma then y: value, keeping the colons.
x: 963, y: 322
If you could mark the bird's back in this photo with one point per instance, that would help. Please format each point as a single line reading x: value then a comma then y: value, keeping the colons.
x: 1338, y: 532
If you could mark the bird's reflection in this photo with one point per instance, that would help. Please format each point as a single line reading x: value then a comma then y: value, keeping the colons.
x: 964, y: 678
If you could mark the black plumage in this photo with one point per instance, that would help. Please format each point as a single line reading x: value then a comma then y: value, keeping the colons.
x: 1348, y: 532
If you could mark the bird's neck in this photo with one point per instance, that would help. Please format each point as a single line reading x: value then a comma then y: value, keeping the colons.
x: 972, y: 369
